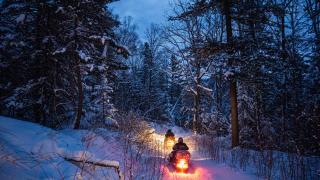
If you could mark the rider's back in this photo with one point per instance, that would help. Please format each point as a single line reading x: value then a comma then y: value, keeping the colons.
x: 180, y: 146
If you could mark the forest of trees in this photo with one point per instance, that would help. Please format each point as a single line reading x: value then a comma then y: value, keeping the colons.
x: 248, y: 68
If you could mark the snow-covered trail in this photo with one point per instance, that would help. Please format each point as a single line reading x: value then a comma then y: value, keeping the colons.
x: 203, y: 167
x: 207, y: 170
x: 211, y: 170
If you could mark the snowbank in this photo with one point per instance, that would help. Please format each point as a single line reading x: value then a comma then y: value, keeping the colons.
x: 31, y: 151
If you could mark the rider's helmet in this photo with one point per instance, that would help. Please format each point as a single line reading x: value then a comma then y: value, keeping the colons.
x: 180, y: 140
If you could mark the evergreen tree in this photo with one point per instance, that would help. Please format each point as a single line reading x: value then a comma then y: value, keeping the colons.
x: 68, y: 54
x: 175, y: 91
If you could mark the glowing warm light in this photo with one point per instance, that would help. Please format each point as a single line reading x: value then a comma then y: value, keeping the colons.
x: 182, y: 164
x: 174, y: 175
x: 170, y: 143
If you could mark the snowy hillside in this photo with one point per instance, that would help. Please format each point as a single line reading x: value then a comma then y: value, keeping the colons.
x: 31, y: 151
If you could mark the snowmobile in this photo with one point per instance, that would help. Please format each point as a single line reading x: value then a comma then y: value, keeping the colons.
x: 181, y: 161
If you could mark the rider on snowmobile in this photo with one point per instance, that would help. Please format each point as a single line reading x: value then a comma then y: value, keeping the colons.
x: 178, y: 147
x: 169, y: 134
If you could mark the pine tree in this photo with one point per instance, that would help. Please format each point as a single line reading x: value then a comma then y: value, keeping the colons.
x: 69, y: 47
x: 33, y: 96
x: 152, y: 84
x: 175, y: 88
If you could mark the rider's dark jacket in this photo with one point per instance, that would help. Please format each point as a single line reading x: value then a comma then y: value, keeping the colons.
x: 180, y: 146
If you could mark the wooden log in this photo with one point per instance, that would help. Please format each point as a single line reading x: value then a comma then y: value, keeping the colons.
x: 97, y: 163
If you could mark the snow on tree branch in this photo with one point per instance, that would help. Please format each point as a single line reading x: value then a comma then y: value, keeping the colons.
x: 105, y: 40
x: 205, y: 88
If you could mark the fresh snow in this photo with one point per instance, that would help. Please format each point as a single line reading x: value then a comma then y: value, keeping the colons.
x: 111, y: 122
x: 205, y: 88
x: 228, y: 74
x: 60, y: 9
x: 204, y: 168
x: 105, y: 49
x: 83, y: 56
x: 59, y: 51
x: 103, y: 39
x: 20, y: 19
x: 101, y: 68
x: 31, y: 151
x: 208, y: 170
x: 193, y: 91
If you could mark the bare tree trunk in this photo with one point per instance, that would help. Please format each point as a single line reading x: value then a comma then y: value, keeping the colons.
x: 218, y: 83
x: 233, y: 82
x: 234, y: 113
x: 78, y: 81
x: 284, y: 95
x: 80, y: 97
x: 197, y: 111
x: 196, y: 120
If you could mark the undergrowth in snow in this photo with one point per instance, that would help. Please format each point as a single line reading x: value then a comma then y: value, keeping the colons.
x: 31, y: 151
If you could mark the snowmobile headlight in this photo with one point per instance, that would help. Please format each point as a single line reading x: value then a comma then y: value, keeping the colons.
x: 182, y: 164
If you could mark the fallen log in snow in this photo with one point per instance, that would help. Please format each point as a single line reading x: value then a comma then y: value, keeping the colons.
x: 102, y: 163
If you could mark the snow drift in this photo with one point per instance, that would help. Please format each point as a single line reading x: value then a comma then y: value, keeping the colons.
x: 31, y: 151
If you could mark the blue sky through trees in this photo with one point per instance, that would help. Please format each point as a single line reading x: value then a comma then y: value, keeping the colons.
x: 144, y: 12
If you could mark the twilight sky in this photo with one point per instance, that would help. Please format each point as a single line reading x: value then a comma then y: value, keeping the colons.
x: 144, y: 12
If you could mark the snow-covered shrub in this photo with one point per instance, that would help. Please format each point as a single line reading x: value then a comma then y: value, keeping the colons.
x: 267, y: 164
x: 135, y: 128
x: 137, y: 141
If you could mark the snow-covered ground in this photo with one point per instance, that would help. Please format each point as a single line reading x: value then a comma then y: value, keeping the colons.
x: 208, y: 170
x: 238, y: 163
x: 31, y: 151
x: 204, y: 168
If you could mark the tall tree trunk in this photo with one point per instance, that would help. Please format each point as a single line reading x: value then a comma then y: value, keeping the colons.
x: 284, y: 57
x: 234, y: 113
x: 196, y: 116
x: 195, y: 122
x: 233, y: 82
x: 218, y: 82
x: 78, y: 80
x: 80, y: 97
